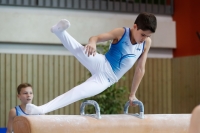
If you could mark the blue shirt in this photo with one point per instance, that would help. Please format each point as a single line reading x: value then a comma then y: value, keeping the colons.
x: 19, y: 111
x: 124, y: 54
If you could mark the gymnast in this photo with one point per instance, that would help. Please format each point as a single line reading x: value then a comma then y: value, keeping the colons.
x: 128, y: 46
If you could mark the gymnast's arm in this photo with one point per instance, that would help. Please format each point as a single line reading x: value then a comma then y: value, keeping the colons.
x: 115, y: 34
x: 139, y: 71
x: 11, y: 116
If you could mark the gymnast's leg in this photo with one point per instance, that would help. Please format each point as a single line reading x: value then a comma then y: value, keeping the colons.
x: 93, y: 86
x: 92, y: 62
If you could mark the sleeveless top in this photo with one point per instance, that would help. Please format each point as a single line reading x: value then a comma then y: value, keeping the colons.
x: 124, y: 54
x: 19, y: 111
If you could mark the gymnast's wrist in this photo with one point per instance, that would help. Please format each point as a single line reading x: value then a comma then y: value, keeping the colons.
x: 132, y: 94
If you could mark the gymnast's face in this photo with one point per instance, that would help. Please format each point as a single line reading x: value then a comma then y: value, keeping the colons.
x: 26, y: 95
x: 140, y: 35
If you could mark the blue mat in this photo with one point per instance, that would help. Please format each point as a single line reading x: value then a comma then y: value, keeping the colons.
x: 3, y: 130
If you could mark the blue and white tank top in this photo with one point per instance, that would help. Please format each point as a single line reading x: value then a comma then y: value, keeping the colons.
x: 19, y: 111
x: 124, y: 54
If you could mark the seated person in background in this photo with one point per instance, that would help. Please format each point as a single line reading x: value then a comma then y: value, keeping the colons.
x: 25, y: 95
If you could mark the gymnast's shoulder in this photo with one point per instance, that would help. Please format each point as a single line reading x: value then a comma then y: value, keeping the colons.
x: 12, y: 113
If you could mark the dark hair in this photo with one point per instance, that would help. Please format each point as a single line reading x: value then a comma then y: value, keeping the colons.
x: 23, y: 85
x: 146, y: 21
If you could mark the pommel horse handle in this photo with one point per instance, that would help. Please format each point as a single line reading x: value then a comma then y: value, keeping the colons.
x: 90, y: 102
x: 141, y: 106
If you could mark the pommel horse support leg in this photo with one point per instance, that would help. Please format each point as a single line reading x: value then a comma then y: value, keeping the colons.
x: 120, y: 123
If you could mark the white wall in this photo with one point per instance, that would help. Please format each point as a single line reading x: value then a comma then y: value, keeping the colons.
x: 32, y: 25
x: 45, y: 49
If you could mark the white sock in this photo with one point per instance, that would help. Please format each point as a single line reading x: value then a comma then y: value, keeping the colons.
x: 33, y: 110
x: 60, y: 26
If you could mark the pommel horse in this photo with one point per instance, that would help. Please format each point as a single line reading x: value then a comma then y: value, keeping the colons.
x: 97, y: 123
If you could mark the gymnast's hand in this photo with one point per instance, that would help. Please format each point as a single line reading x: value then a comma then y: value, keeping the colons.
x: 132, y: 98
x: 90, y: 49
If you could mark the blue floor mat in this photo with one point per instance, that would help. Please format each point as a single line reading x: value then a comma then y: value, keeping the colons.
x: 2, y: 130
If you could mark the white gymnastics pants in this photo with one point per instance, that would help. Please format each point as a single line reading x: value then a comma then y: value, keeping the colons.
x: 102, y: 76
